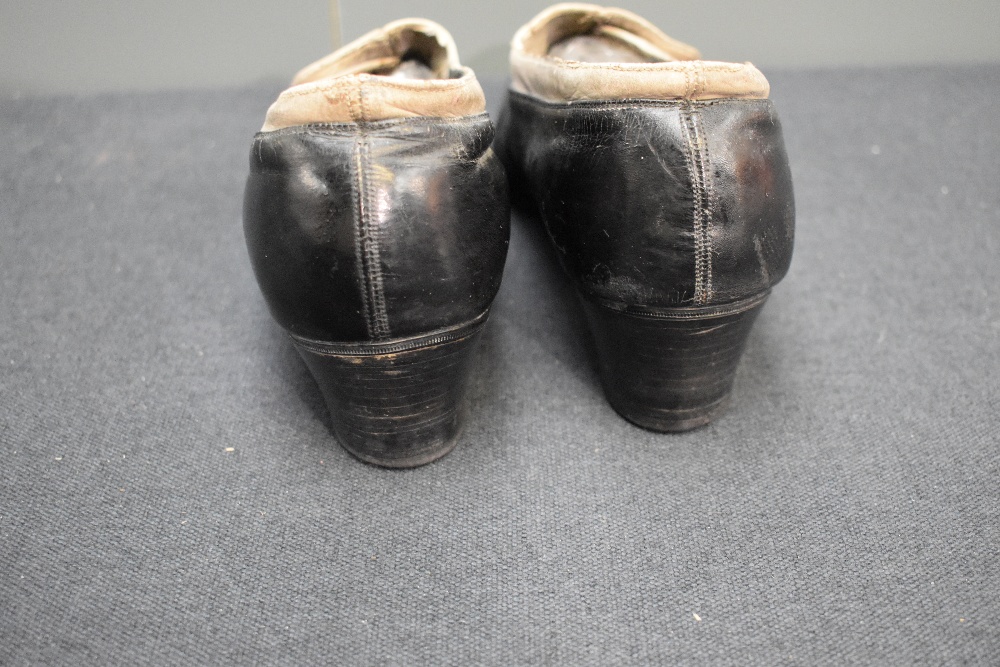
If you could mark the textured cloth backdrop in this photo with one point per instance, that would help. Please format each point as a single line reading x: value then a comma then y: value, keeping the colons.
x: 845, y: 510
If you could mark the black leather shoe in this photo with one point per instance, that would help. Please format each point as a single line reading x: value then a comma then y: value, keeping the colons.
x: 663, y: 182
x: 377, y: 221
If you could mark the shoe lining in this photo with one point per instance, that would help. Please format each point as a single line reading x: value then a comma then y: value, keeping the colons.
x: 597, y: 48
x: 408, y: 68
x: 420, y: 56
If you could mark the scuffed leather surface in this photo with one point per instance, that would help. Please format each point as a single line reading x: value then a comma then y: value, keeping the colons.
x: 611, y: 181
x: 439, y: 211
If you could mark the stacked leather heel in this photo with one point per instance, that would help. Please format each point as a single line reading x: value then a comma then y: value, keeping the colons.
x: 397, y: 404
x: 670, y: 369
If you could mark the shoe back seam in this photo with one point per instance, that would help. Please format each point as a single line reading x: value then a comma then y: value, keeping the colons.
x: 703, y: 203
x: 366, y: 245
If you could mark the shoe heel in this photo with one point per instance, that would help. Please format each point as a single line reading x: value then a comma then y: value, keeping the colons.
x: 396, y: 404
x: 670, y: 369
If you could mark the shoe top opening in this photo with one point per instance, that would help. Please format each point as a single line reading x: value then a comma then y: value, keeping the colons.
x: 406, y: 49
x: 598, y: 47
x: 419, y: 55
x: 590, y: 33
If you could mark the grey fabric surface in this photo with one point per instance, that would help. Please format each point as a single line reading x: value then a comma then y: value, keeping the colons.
x: 845, y: 511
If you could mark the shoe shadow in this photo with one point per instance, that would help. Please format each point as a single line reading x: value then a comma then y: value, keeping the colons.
x: 761, y: 385
x: 295, y: 376
x: 540, y: 301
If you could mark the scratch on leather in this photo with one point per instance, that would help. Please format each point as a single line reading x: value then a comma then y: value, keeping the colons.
x: 703, y: 200
x: 366, y: 246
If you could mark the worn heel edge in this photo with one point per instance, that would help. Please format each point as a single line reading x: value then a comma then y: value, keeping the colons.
x: 670, y: 369
x: 415, y: 461
x: 670, y: 421
x: 396, y: 403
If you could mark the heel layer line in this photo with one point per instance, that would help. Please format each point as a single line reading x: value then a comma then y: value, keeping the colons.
x: 364, y: 348
x: 680, y: 312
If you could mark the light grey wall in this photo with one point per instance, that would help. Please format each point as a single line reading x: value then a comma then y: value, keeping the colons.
x: 101, y: 45
x: 83, y: 45
x: 771, y: 33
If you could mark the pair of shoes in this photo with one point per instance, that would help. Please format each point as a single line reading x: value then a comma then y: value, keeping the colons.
x: 377, y: 217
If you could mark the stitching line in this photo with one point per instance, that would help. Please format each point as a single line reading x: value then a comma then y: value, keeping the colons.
x: 351, y: 108
x: 437, y: 337
x: 670, y: 66
x: 708, y: 187
x: 370, y: 260
x: 419, y: 86
x: 701, y: 80
x: 681, y: 313
x: 637, y: 103
x: 360, y: 208
x: 372, y: 126
x: 366, y: 247
x: 703, y: 195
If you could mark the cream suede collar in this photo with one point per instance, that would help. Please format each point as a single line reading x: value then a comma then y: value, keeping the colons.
x: 343, y: 88
x: 677, y: 72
